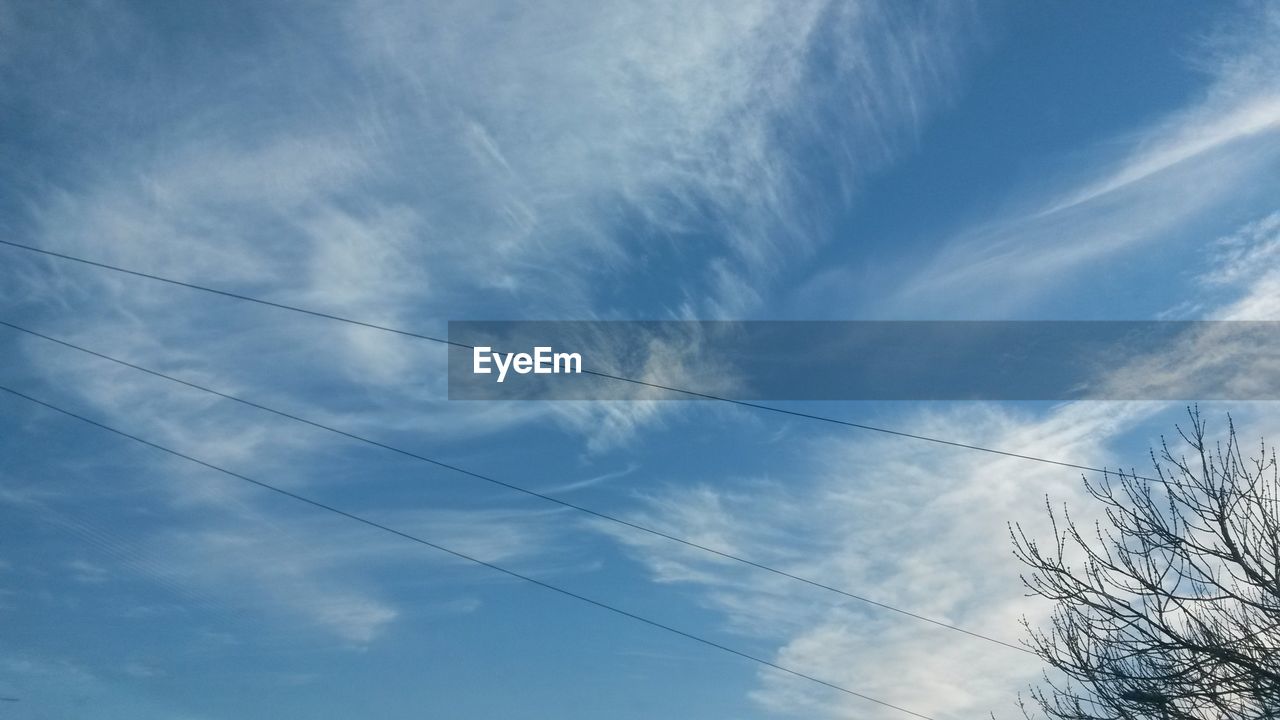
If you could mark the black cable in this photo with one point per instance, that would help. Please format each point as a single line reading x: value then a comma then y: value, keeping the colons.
x: 656, y: 386
x: 516, y: 488
x: 511, y: 573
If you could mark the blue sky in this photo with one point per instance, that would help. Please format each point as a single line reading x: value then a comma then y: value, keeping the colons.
x: 413, y: 163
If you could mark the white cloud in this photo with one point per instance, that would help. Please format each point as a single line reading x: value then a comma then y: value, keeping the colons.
x: 464, y: 159
x: 1241, y: 282
x: 574, y: 485
x: 1204, y: 129
x: 86, y: 572
x: 1243, y: 256
x: 578, y: 122
x: 923, y: 528
x: 1248, y: 264
x: 452, y: 158
x: 1219, y: 151
x: 57, y: 687
x: 916, y: 526
x: 323, y: 571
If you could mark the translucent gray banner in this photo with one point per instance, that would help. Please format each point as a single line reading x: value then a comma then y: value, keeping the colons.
x: 866, y: 360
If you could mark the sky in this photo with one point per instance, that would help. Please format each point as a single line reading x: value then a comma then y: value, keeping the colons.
x: 415, y: 163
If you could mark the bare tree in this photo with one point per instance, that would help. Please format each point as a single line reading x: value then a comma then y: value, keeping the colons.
x: 1169, y: 608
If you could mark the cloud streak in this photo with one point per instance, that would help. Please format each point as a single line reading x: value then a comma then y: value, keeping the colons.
x: 924, y: 528
x: 1218, y: 152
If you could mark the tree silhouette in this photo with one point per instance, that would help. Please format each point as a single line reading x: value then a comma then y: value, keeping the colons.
x: 1169, y: 607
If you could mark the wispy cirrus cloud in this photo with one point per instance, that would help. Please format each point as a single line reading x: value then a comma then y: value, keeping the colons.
x: 1240, y: 282
x: 533, y: 169
x: 1221, y: 120
x: 918, y: 527
x: 1245, y: 265
x: 683, y: 136
x: 1220, y: 151
x: 44, y: 686
x: 457, y: 159
x: 924, y: 527
x: 407, y: 164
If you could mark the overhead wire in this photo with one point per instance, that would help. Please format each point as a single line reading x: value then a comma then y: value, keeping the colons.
x: 463, y: 556
x: 644, y: 383
x: 517, y: 488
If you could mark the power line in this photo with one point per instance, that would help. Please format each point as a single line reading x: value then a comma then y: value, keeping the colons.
x: 517, y: 488
x: 463, y: 556
x: 656, y: 386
